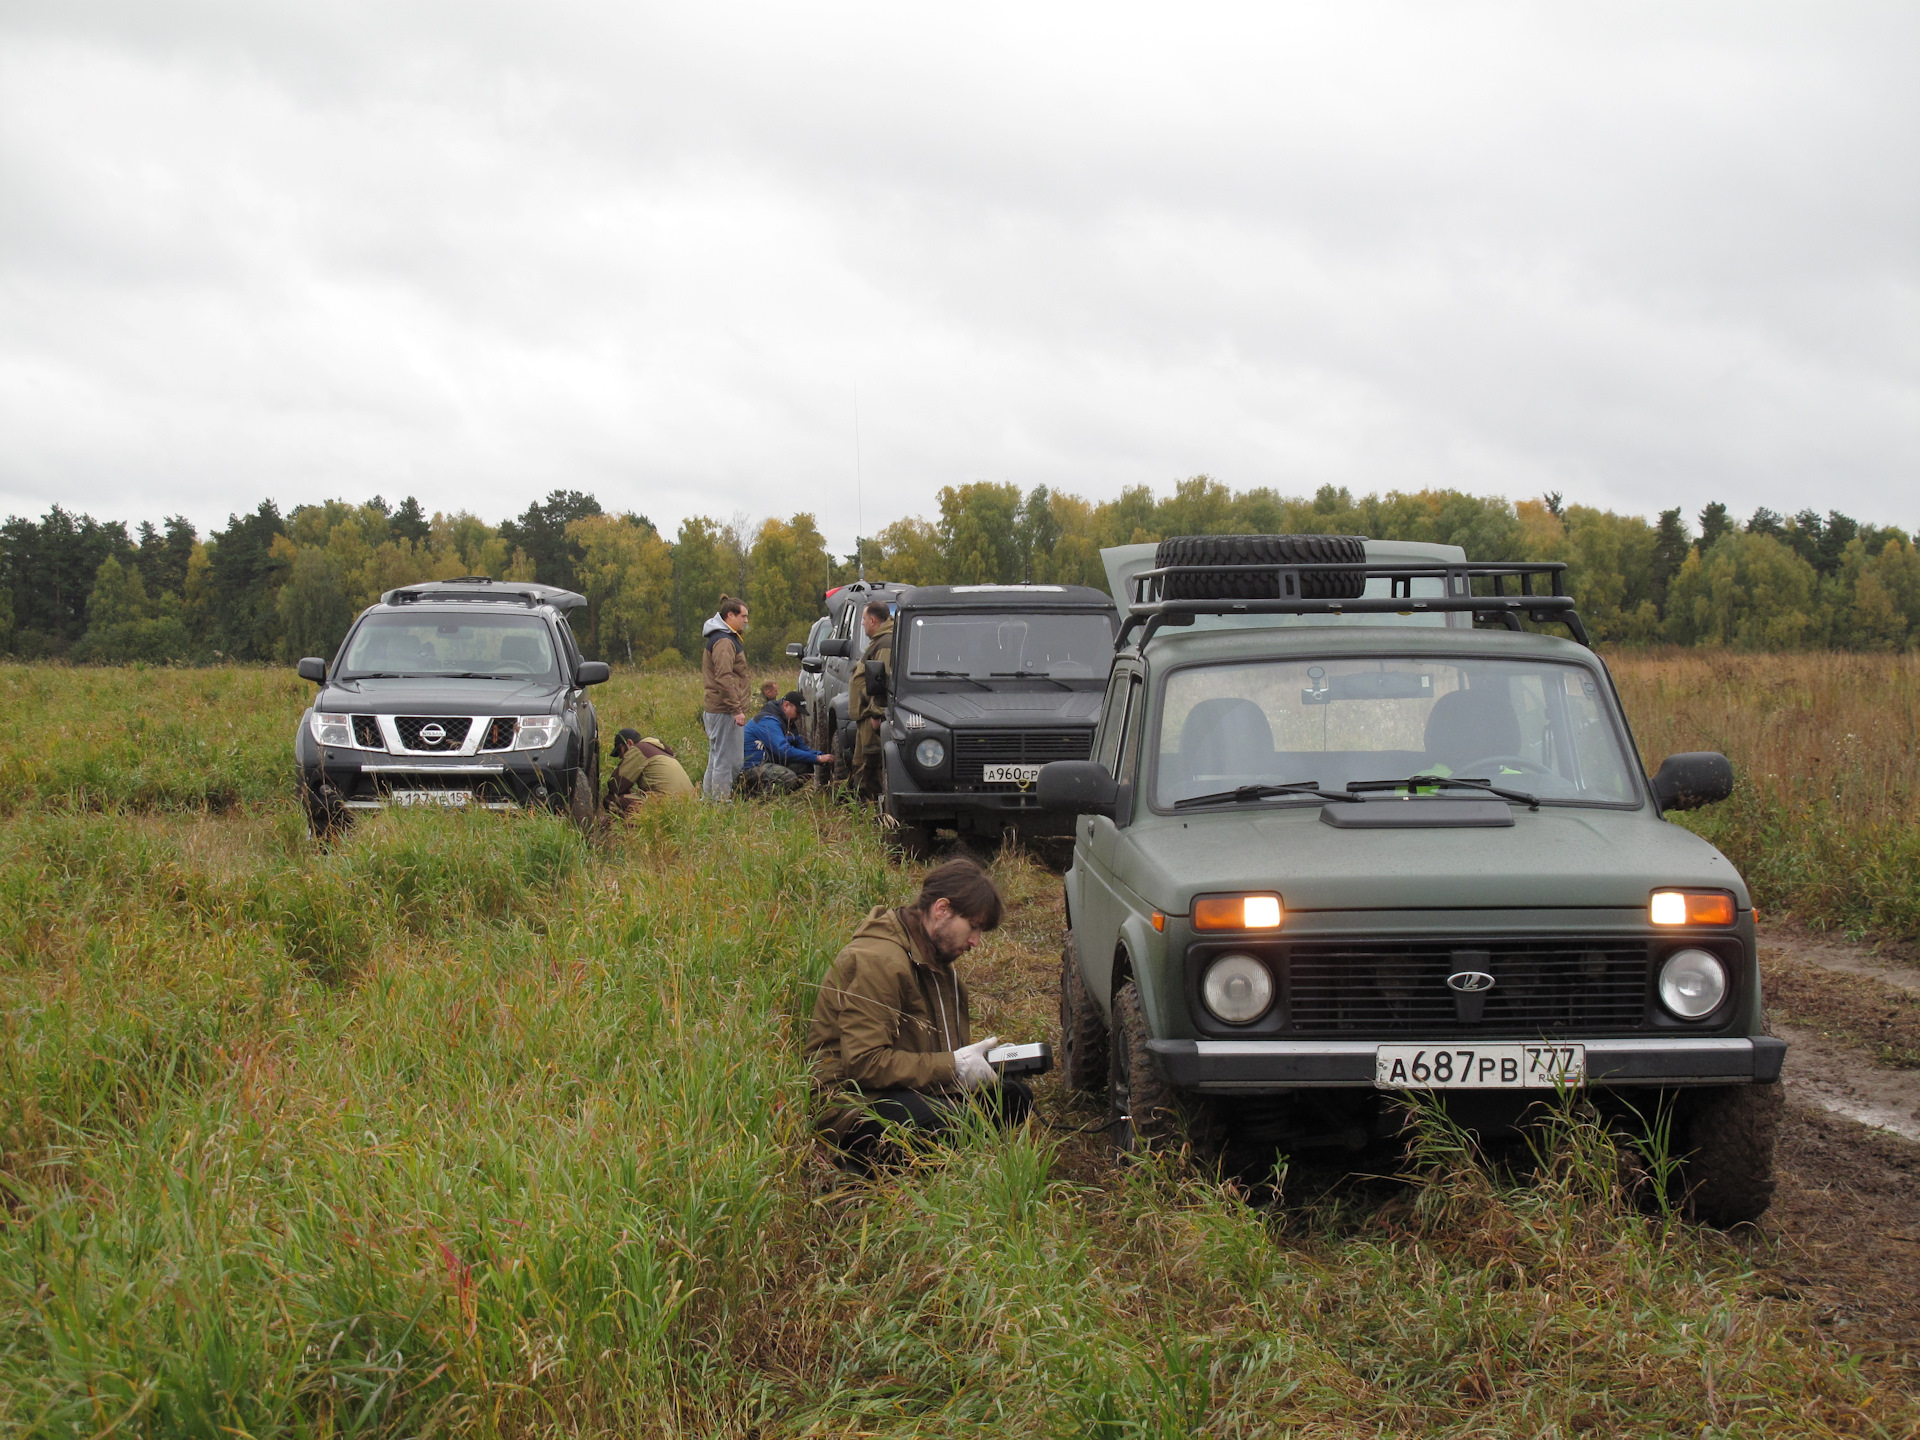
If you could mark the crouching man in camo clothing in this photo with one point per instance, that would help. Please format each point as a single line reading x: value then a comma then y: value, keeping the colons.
x: 892, y: 1037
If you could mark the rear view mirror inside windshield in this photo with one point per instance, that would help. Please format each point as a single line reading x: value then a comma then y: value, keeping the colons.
x: 1366, y: 685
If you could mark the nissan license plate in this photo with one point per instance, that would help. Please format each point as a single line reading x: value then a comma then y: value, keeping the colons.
x: 1010, y: 774
x: 1479, y: 1067
x: 454, y: 799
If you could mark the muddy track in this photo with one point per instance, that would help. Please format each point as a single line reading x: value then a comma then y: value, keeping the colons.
x: 1844, y: 1231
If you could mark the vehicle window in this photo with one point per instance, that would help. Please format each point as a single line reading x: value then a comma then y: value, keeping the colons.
x: 817, y: 634
x: 1113, y: 721
x: 1536, y: 726
x: 1130, y: 736
x: 506, y: 646
x: 1061, y: 646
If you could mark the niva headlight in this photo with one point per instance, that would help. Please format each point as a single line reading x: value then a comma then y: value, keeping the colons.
x: 1237, y: 989
x: 1692, y: 984
x: 930, y: 754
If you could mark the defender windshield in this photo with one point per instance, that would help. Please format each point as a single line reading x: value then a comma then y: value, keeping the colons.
x: 506, y: 647
x: 1061, y: 645
x: 1534, y: 726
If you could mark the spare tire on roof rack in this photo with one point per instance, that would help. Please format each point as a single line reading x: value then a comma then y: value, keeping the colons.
x: 1221, y: 554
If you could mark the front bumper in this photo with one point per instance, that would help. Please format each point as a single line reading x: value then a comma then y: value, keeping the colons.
x: 960, y: 809
x: 1266, y: 1066
x: 493, y: 783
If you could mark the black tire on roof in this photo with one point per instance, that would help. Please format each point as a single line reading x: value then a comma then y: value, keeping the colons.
x: 1221, y: 553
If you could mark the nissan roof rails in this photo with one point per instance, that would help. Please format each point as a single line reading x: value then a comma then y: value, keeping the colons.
x: 485, y: 589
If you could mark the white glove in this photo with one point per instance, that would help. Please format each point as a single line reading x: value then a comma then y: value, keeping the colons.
x: 970, y: 1065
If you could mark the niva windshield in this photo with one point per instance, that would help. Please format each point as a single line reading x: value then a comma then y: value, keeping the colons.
x: 507, y: 647
x: 1532, y: 726
x: 1063, y: 645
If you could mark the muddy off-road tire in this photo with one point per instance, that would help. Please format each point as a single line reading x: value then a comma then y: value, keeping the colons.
x: 1083, y: 1033
x: 580, y: 802
x: 1146, y: 1114
x: 1726, y: 1134
x: 1223, y: 552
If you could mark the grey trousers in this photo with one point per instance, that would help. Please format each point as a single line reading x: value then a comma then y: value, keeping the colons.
x: 726, y: 751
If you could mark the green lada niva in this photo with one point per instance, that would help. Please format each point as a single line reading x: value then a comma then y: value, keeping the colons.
x: 1342, y: 839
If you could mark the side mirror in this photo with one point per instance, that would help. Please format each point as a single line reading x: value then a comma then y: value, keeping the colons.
x: 1693, y: 778
x: 593, y: 672
x: 313, y: 668
x: 838, y: 649
x: 812, y: 665
x: 876, y: 679
x: 795, y: 649
x: 1082, y: 787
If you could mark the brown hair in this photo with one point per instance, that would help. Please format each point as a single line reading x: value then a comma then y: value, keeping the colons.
x: 878, y: 609
x: 731, y: 606
x: 967, y: 889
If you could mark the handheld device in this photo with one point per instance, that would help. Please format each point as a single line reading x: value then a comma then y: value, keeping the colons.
x: 1034, y: 1059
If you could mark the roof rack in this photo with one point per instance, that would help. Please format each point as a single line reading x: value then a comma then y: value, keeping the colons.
x: 1148, y: 609
x: 484, y: 589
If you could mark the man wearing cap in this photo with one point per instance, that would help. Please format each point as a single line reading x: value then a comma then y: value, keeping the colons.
x: 644, y: 766
x: 777, y: 759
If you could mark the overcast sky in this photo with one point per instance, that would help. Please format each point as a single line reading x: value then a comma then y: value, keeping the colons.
x: 1644, y: 254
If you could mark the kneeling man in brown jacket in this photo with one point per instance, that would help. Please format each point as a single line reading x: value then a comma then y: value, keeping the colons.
x: 892, y: 1039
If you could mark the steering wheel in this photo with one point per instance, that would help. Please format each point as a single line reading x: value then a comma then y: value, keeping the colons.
x: 1520, y: 762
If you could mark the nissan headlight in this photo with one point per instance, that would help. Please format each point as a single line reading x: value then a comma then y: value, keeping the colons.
x: 1693, y: 983
x: 536, y: 732
x: 930, y: 754
x: 1237, y: 989
x: 334, y: 730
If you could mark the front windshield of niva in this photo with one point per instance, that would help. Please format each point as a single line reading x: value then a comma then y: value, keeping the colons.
x: 506, y: 647
x: 1062, y: 645
x: 1532, y: 726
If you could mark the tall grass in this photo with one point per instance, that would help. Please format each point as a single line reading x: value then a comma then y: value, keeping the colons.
x: 1826, y: 750
x: 468, y: 1126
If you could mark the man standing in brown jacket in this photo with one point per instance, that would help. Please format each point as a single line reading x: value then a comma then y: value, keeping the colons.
x: 891, y: 1040
x: 723, y: 672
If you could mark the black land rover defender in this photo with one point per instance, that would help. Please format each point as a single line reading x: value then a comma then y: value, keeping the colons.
x: 990, y: 682
x: 454, y: 692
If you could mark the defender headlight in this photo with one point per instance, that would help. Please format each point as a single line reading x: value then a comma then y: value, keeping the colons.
x: 1237, y: 989
x: 929, y: 754
x: 334, y: 730
x: 1693, y: 983
x: 536, y: 732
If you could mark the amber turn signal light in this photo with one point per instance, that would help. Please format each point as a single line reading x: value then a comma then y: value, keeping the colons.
x: 1238, y: 912
x: 1690, y: 907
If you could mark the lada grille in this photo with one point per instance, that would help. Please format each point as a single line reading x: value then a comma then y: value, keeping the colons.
x: 451, y: 733
x: 499, y: 733
x: 1540, y: 988
x: 366, y: 733
x: 973, y: 750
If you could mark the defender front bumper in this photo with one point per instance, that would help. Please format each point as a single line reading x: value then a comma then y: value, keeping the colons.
x: 1253, y: 1066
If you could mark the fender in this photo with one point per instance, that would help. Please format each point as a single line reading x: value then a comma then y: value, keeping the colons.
x: 1135, y: 960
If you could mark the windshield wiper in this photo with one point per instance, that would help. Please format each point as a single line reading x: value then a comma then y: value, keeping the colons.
x: 1026, y: 675
x: 947, y: 675
x: 1246, y: 793
x: 482, y: 675
x: 1456, y: 782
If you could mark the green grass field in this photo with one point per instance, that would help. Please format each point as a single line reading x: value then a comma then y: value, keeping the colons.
x: 471, y: 1126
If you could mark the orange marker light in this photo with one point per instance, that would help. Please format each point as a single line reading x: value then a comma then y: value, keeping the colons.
x: 1159, y: 920
x: 1690, y: 907
x: 1238, y: 912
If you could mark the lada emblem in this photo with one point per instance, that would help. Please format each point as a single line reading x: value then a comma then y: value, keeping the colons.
x: 434, y: 734
x: 1469, y: 982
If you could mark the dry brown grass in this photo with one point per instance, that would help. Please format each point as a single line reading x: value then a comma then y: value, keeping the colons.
x: 1827, y: 765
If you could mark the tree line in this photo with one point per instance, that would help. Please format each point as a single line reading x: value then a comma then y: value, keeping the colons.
x: 273, y: 586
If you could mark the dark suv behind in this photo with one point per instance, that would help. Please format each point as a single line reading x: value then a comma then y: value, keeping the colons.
x: 459, y: 693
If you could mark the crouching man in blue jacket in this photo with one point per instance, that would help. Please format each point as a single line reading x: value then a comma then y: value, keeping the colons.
x: 777, y: 763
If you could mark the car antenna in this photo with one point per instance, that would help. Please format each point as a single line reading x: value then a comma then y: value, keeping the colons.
x: 859, y: 495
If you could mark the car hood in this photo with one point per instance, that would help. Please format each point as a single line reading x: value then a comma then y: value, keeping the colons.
x: 1025, y: 707
x: 439, y: 697
x: 1550, y: 859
